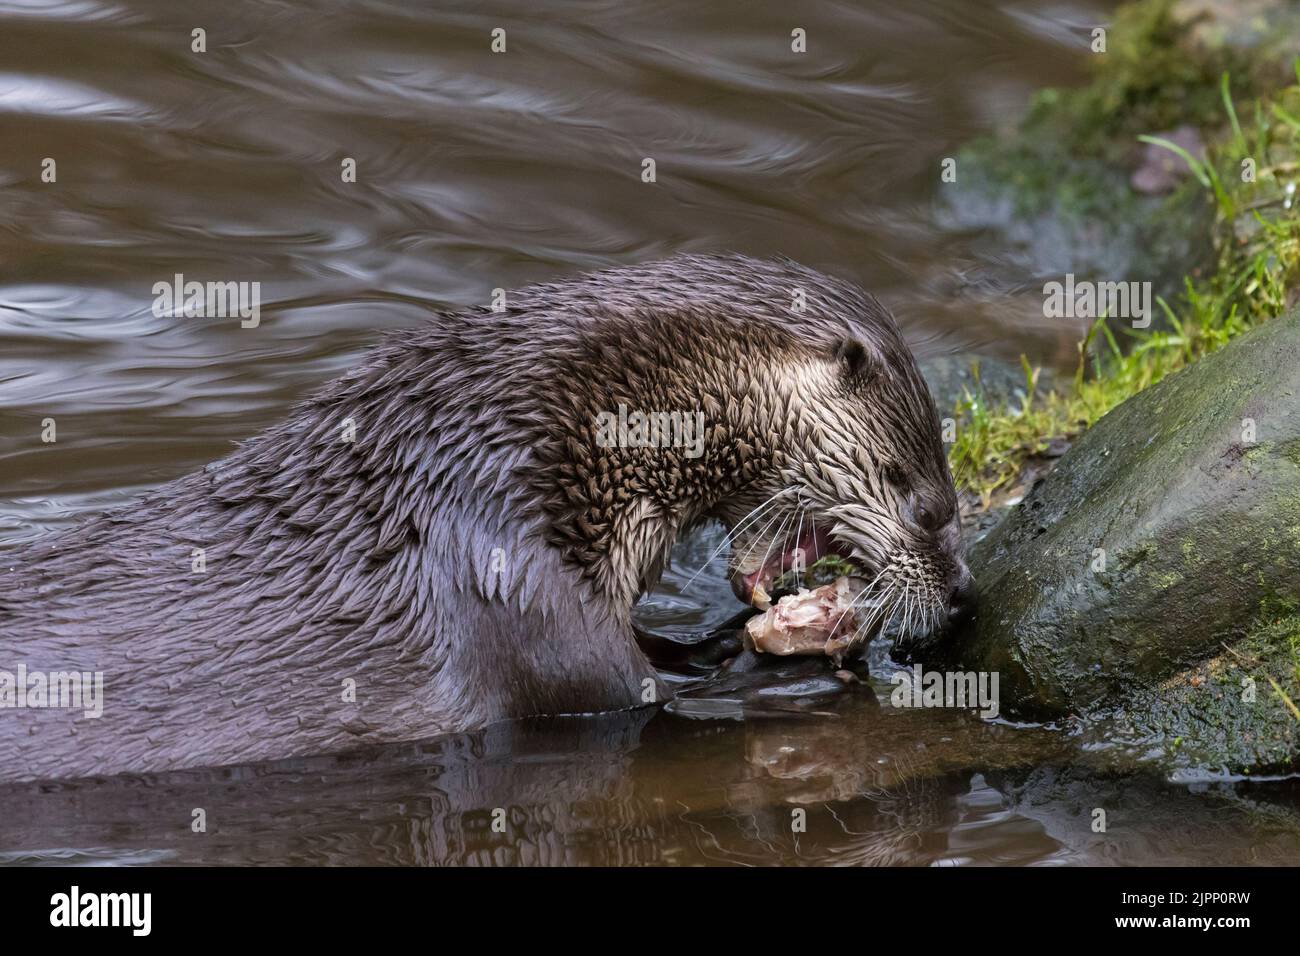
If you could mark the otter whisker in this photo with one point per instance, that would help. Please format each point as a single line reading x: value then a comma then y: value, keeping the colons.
x: 857, y: 597
x: 882, y: 610
x: 780, y: 536
x: 740, y: 525
x: 901, y: 605
x: 883, y: 613
x: 923, y: 605
x: 758, y: 538
x: 853, y: 603
x: 798, y: 534
x: 916, y: 623
x: 906, y: 607
x: 754, y: 514
x: 909, y: 608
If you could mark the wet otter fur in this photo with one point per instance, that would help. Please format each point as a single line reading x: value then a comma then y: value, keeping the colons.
x: 474, y: 552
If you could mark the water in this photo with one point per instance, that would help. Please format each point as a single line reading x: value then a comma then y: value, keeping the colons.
x: 477, y: 171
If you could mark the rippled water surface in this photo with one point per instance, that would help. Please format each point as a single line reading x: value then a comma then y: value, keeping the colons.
x: 477, y: 171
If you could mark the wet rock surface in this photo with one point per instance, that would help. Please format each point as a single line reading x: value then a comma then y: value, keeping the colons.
x: 1152, y: 578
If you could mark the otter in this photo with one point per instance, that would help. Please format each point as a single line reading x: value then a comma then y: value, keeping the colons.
x: 443, y: 537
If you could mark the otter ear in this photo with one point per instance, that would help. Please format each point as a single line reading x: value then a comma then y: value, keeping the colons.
x: 857, y: 361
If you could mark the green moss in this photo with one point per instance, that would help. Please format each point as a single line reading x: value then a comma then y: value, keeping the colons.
x: 1147, y: 80
x: 1271, y: 653
x: 1068, y: 153
x: 1167, y: 580
x: 1290, y: 450
x: 1135, y: 556
x: 1235, y: 711
x: 1258, y: 453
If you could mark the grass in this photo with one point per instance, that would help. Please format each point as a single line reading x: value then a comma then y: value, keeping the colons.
x: 1257, y: 259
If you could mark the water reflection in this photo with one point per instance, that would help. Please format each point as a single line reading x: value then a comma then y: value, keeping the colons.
x: 648, y: 789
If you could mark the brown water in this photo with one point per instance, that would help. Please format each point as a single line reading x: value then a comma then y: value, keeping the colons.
x: 477, y: 171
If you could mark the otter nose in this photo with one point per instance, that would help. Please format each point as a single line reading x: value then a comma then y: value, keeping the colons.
x: 961, y: 601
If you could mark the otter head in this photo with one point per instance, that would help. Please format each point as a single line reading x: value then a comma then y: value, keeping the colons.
x: 861, y: 474
x: 816, y: 434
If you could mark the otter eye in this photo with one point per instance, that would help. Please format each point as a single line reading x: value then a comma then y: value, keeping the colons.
x: 926, y: 517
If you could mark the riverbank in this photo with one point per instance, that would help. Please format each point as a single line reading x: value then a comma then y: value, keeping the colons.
x: 1241, y: 188
x: 1154, y: 597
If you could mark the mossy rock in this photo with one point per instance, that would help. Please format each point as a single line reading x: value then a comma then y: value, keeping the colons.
x: 1158, y: 565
